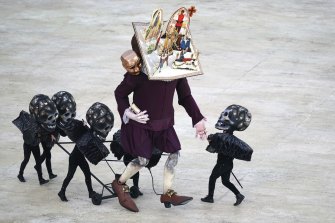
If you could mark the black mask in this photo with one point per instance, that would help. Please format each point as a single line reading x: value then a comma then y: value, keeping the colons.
x: 44, y: 111
x: 66, y: 105
x: 234, y: 117
x: 101, y: 120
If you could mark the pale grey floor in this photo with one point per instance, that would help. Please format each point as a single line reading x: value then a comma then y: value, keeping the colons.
x: 274, y: 57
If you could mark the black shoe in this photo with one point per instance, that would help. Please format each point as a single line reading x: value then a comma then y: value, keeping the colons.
x: 239, y: 199
x: 96, y: 198
x: 61, y: 195
x: 135, y: 192
x: 40, y: 176
x: 91, y: 194
x: 51, y: 176
x: 21, y: 178
x: 43, y: 181
x: 208, y: 199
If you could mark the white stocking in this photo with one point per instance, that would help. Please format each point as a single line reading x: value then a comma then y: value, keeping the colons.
x: 169, y: 171
x: 132, y: 168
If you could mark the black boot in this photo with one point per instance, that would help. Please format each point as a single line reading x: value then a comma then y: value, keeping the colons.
x: 239, y: 199
x: 21, y: 178
x: 48, y: 165
x: 61, y: 195
x: 43, y: 181
x: 51, y: 175
x: 96, y: 198
x: 208, y: 199
x: 135, y: 192
x: 91, y: 193
x: 39, y: 174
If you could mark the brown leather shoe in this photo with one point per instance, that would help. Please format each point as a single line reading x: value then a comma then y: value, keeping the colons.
x: 171, y: 197
x: 122, y: 191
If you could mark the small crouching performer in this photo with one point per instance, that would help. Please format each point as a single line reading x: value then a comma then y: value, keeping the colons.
x: 139, y: 134
x: 89, y: 141
x: 228, y: 147
x: 41, y: 121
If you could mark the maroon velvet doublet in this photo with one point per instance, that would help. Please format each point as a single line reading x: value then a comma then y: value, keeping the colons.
x: 156, y: 97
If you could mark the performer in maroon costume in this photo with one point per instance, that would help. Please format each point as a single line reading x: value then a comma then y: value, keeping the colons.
x: 153, y: 127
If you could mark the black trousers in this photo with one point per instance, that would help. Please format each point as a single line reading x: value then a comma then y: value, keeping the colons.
x: 223, y: 171
x: 77, y: 159
x: 46, y: 155
x: 27, y: 150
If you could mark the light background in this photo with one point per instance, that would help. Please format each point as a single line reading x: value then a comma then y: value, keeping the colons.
x: 277, y: 58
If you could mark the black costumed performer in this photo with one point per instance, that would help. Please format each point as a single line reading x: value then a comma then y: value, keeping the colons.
x: 86, y: 139
x: 228, y: 147
x: 41, y: 121
x: 139, y: 134
x: 48, y: 140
